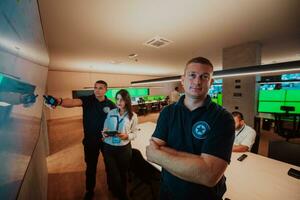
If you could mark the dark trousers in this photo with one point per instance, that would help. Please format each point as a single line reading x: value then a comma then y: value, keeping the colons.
x: 164, y: 193
x: 92, y: 147
x: 117, y: 160
x: 215, y: 193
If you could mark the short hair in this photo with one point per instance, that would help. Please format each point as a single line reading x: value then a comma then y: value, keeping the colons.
x: 102, y: 82
x: 200, y: 60
x: 238, y: 114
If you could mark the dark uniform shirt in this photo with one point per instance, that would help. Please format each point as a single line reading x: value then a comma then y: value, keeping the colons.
x: 208, y: 129
x: 94, y: 115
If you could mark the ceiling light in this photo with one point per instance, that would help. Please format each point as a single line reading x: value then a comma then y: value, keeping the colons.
x: 240, y: 71
x: 4, y: 104
x: 133, y: 55
x: 115, y: 62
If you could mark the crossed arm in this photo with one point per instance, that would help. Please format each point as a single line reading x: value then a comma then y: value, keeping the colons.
x: 202, y: 169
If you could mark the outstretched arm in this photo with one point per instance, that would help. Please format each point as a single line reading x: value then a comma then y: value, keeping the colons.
x: 67, y: 102
x: 202, y: 169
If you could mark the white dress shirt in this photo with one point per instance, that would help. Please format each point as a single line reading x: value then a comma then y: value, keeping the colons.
x: 121, y: 123
x: 245, y: 136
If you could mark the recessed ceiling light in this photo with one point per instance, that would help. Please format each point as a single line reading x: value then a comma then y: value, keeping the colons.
x: 133, y: 55
x: 115, y: 62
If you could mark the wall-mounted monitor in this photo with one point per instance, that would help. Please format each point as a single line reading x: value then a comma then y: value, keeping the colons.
x: 274, y: 94
x: 215, y: 91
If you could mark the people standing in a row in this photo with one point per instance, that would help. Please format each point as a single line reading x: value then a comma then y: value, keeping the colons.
x: 117, y: 148
x: 95, y: 108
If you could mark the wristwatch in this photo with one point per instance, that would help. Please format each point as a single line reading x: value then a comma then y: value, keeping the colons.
x: 60, y: 101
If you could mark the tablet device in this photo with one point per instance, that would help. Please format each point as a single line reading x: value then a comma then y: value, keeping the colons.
x: 111, y: 133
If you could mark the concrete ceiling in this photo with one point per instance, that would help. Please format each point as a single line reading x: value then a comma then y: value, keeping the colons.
x: 98, y: 35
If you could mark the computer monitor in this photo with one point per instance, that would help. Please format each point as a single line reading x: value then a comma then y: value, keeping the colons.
x: 275, y: 95
x: 215, y: 91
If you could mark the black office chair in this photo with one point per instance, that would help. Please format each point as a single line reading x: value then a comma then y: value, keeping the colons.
x: 155, y: 106
x: 255, y: 146
x: 142, y: 107
x: 287, y: 125
x: 285, y: 151
x: 146, y: 174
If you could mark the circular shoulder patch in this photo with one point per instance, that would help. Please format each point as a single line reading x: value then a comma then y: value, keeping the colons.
x: 106, y: 109
x: 200, y: 129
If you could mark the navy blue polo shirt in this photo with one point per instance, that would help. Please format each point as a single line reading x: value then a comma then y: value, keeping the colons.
x: 208, y: 129
x: 94, y: 115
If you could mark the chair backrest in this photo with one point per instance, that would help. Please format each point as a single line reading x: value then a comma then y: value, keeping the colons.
x: 255, y: 146
x: 285, y: 151
x: 141, y: 168
x: 287, y: 125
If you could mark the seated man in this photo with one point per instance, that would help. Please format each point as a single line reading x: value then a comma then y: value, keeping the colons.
x: 244, y: 135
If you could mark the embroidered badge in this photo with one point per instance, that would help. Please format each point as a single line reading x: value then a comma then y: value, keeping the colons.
x: 200, y: 130
x: 106, y: 109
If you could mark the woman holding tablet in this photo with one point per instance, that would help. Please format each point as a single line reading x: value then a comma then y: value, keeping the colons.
x: 120, y: 128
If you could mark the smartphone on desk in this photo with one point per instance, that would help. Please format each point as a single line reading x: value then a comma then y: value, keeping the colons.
x: 294, y: 173
x: 242, y: 157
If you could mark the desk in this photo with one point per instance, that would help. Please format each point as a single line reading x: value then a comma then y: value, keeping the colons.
x: 154, y: 105
x: 256, y: 177
x: 142, y: 140
x: 258, y: 121
x: 259, y: 177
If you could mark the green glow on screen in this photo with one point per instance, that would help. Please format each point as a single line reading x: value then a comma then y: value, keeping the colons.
x: 292, y: 95
x: 271, y: 100
x: 271, y: 95
x: 154, y: 98
x: 273, y: 107
x: 214, y: 100
x: 134, y: 92
x: 295, y: 104
x: 218, y: 100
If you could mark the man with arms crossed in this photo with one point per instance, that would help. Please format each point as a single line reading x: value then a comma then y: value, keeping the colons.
x: 95, y: 108
x: 193, y: 140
